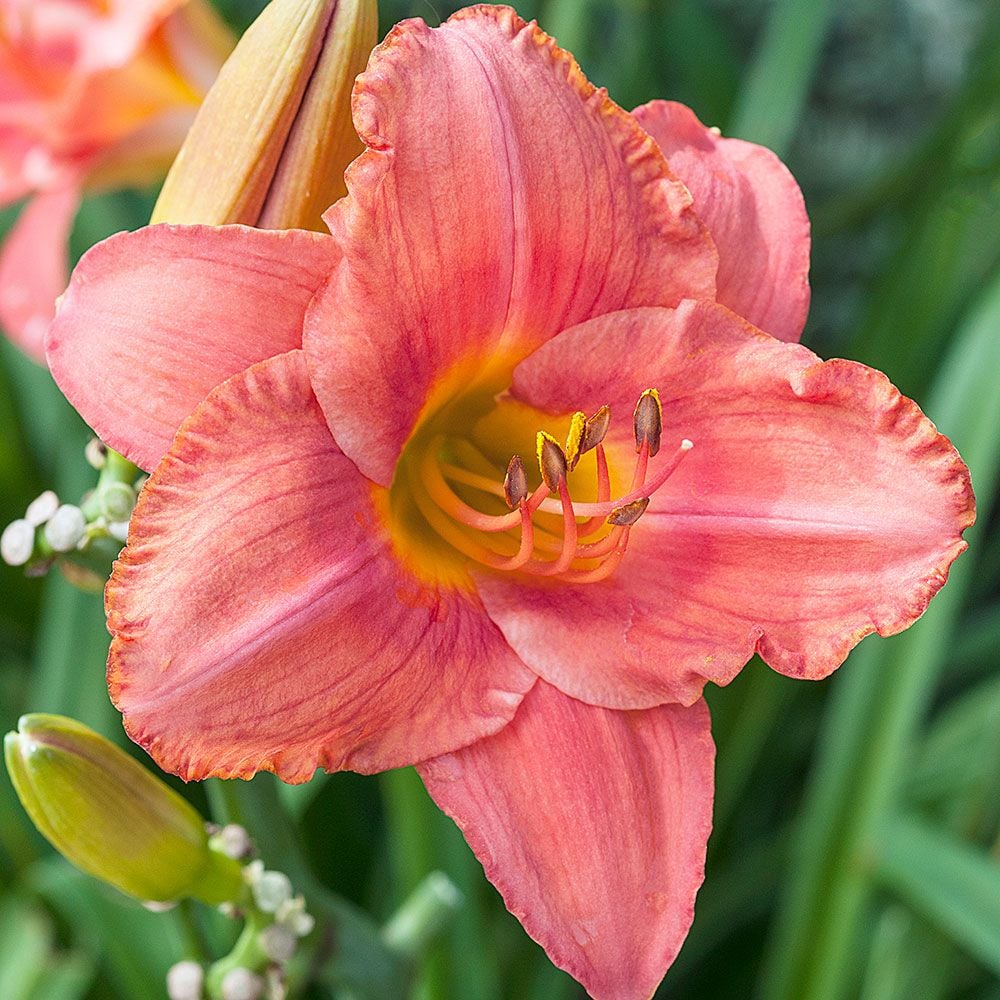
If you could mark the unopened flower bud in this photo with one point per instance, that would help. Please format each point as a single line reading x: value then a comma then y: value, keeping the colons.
x: 293, y: 916
x: 116, y: 501
x: 242, y: 984
x: 17, y: 542
x: 111, y: 817
x: 118, y: 530
x: 41, y: 508
x: 278, y: 942
x: 274, y: 135
x: 96, y: 453
x: 233, y: 841
x: 65, y: 528
x: 185, y: 981
x: 271, y: 890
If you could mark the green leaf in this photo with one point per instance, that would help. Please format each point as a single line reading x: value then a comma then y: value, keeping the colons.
x: 137, y: 947
x: 25, y: 941
x: 961, y: 748
x: 776, y: 88
x: 955, y: 886
x: 67, y: 977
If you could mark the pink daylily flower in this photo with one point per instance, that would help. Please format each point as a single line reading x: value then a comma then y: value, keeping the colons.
x: 336, y: 563
x: 92, y: 94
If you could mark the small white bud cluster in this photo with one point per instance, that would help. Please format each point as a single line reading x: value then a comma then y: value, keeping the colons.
x: 63, y: 527
x: 272, y: 892
x: 50, y: 529
x: 263, y: 975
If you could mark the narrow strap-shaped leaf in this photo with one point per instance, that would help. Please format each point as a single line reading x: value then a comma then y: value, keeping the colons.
x: 955, y: 886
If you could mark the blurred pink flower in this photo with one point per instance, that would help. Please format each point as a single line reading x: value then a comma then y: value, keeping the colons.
x: 322, y: 570
x: 92, y: 95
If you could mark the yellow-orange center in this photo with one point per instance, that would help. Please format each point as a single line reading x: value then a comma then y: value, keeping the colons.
x: 448, y: 509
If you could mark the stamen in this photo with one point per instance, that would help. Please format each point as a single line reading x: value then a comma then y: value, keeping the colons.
x: 551, y: 461
x: 603, y: 491
x: 606, y: 568
x: 523, y: 555
x: 595, y: 550
x: 641, y: 464
x: 648, y: 421
x: 610, y: 520
x: 628, y: 513
x: 596, y: 429
x: 439, y: 491
x: 515, y: 483
x: 491, y: 486
x: 647, y: 490
x: 574, y: 438
x: 568, y: 553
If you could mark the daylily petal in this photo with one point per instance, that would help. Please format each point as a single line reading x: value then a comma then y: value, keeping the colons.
x: 754, y: 211
x: 89, y: 37
x: 817, y: 505
x: 593, y: 825
x: 153, y: 320
x: 562, y: 209
x: 261, y: 620
x: 34, y: 269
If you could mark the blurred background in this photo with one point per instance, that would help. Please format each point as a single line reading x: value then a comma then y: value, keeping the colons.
x: 855, y: 851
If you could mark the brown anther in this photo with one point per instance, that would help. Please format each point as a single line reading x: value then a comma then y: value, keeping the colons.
x: 648, y: 419
x: 574, y: 438
x: 515, y: 483
x: 596, y: 428
x: 551, y: 460
x: 628, y: 513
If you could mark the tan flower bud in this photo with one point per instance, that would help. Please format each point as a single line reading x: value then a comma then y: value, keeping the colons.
x: 274, y: 135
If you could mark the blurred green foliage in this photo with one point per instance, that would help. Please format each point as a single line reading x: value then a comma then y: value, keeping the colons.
x: 856, y: 845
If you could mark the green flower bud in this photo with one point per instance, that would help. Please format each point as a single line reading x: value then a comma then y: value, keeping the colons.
x: 111, y: 817
x: 116, y: 501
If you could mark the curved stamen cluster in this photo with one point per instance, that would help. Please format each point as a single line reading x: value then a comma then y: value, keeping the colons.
x: 527, y: 539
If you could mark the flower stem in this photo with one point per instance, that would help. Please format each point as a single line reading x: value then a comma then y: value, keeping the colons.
x: 422, y: 916
x: 352, y: 956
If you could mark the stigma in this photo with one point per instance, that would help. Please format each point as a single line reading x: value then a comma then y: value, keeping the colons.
x: 545, y: 532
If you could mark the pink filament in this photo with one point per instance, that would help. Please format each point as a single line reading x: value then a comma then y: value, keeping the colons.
x: 446, y: 511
